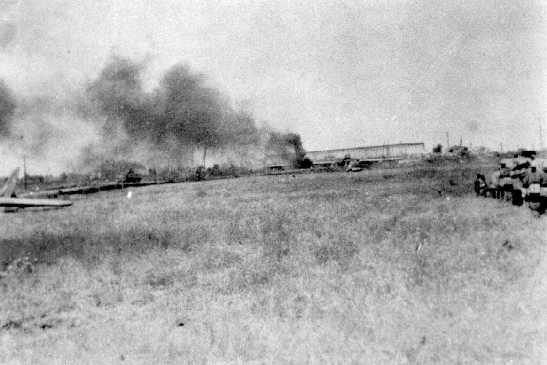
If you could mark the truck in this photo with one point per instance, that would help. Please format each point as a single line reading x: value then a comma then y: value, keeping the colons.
x: 521, y: 179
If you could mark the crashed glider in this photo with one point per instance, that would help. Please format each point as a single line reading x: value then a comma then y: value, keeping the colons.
x: 8, y: 199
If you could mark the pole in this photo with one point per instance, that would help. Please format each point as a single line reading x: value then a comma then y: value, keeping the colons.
x: 25, y: 171
x: 447, y: 141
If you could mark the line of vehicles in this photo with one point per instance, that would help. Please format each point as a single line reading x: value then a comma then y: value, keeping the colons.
x: 520, y: 180
x: 347, y: 163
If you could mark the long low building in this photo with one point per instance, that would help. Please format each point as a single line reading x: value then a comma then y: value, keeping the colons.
x: 386, y: 151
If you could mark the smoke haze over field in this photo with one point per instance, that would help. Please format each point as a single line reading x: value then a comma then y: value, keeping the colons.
x: 176, y: 122
x: 7, y: 108
x: 338, y: 74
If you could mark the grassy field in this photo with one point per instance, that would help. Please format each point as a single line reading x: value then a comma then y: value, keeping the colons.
x: 377, y: 267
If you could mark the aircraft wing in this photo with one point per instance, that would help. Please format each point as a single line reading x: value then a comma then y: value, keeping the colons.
x: 9, y: 188
x: 27, y: 203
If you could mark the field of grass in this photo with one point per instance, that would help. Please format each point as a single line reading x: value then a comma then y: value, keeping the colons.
x: 376, y: 267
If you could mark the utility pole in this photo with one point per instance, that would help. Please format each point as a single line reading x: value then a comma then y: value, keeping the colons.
x: 25, y: 170
x: 24, y: 162
x: 447, y: 141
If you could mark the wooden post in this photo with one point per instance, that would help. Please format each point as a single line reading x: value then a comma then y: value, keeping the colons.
x: 25, y: 171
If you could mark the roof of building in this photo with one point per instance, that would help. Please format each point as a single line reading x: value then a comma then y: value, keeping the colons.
x: 371, y: 147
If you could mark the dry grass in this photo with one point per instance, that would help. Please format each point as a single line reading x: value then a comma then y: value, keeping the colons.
x: 373, y: 267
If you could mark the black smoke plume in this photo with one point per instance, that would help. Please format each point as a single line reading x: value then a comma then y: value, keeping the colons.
x: 182, y: 110
x: 182, y: 122
x: 288, y: 147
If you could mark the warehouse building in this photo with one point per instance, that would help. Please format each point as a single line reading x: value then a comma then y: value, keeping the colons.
x: 386, y: 151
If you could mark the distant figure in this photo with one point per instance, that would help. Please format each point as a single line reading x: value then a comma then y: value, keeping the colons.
x: 200, y: 173
x: 506, y: 182
x: 517, y: 177
x: 480, y: 185
x: 495, y: 187
x: 532, y: 182
x: 533, y: 177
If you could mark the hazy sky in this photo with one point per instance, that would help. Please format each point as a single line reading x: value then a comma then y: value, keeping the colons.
x: 339, y: 73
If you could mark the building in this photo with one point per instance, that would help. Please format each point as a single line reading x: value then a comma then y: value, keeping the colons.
x: 386, y: 151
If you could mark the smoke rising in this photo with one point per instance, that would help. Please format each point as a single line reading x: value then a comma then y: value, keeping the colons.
x: 288, y: 147
x: 182, y: 108
x: 7, y: 108
x: 178, y: 118
x: 181, y: 122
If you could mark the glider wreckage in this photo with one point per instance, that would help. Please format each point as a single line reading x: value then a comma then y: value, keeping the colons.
x: 8, y: 198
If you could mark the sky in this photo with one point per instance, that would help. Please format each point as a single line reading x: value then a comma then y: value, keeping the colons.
x: 341, y: 74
